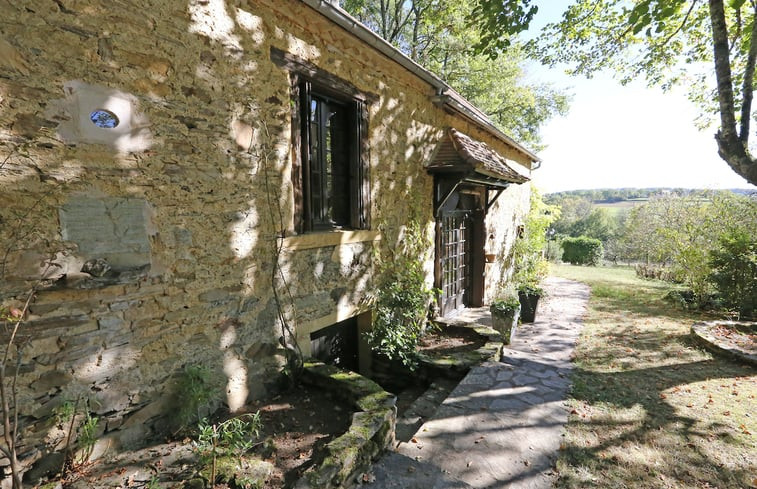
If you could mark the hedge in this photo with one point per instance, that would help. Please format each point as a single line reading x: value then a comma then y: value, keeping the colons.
x: 582, y: 250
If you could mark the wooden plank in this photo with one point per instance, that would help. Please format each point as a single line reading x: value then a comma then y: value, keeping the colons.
x: 322, y: 80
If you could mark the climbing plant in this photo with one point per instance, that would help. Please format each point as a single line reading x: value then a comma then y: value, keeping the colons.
x: 531, y: 265
x: 403, y: 297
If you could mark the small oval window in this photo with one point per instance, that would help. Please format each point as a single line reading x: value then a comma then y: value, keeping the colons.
x: 104, y: 118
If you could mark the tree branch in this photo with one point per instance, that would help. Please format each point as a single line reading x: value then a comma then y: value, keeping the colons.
x: 683, y: 23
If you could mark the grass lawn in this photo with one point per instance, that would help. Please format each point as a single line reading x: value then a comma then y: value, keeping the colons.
x: 650, y: 408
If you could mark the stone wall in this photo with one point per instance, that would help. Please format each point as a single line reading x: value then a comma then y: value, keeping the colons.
x: 188, y: 200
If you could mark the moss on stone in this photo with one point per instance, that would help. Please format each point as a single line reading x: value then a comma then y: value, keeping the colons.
x: 252, y: 470
x: 50, y: 485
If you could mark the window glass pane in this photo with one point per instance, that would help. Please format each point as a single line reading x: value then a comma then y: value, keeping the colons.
x: 332, y: 139
x: 314, y: 110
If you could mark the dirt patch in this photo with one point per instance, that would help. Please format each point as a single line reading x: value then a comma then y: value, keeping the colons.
x: 449, y: 340
x: 300, y: 422
x: 296, y: 424
x: 741, y: 337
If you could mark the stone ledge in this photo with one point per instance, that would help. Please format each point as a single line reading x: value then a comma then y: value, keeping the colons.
x: 702, y: 333
x: 459, y: 364
x: 371, y: 431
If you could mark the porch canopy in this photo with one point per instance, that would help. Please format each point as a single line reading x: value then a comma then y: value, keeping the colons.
x: 462, y: 160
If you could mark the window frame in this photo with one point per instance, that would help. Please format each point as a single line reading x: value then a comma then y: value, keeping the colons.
x: 356, y: 167
x: 306, y: 79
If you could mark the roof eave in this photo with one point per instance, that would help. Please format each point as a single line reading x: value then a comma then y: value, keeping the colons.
x: 446, y: 94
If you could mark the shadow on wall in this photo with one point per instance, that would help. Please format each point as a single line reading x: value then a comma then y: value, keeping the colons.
x: 146, y: 170
x: 171, y: 165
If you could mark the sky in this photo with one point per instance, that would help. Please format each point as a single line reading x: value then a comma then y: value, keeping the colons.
x: 624, y: 136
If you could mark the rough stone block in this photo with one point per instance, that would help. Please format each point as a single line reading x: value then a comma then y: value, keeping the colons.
x: 54, y: 379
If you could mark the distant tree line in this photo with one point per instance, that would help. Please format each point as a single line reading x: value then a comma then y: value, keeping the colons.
x: 610, y: 195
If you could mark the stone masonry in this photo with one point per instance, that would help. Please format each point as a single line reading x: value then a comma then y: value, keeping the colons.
x: 163, y: 233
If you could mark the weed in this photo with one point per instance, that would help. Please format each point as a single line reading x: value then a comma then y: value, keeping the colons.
x: 195, y: 395
x: 233, y: 437
x: 87, y: 436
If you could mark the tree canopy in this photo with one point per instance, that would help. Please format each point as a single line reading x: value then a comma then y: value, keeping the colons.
x: 456, y: 40
x: 670, y: 42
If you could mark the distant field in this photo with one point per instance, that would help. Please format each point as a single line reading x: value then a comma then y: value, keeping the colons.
x: 615, y: 208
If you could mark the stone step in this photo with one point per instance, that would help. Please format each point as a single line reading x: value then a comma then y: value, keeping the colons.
x: 423, y: 408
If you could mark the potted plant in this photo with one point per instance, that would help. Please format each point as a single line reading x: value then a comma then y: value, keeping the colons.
x: 529, y: 295
x: 531, y: 267
x: 505, y: 312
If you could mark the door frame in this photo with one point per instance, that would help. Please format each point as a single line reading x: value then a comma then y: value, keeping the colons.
x: 445, y: 188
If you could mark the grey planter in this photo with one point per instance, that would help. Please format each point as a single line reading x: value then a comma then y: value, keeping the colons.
x: 506, y: 324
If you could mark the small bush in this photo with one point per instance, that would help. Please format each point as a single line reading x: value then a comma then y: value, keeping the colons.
x: 582, y: 251
x: 734, y: 264
x: 402, y: 299
x: 659, y: 272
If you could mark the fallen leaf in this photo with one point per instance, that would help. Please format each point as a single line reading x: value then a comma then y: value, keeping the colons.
x: 414, y: 440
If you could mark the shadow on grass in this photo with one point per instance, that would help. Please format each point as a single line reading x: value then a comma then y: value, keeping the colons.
x: 669, y: 437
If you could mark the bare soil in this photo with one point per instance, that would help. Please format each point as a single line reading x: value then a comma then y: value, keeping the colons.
x: 743, y: 338
x: 296, y: 424
x: 451, y: 339
x: 300, y: 422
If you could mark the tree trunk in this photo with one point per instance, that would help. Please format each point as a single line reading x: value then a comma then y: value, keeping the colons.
x: 731, y: 148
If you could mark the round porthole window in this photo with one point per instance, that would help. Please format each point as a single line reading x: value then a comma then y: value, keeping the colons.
x: 104, y: 118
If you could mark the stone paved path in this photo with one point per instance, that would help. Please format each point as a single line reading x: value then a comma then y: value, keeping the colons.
x: 501, y: 426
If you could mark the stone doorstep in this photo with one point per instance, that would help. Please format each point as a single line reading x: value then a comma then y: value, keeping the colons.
x: 701, y: 331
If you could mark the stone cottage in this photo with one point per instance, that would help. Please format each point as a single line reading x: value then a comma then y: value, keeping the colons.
x: 207, y: 182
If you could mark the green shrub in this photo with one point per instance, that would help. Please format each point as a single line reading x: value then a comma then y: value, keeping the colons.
x: 734, y: 264
x: 402, y: 299
x: 531, y: 266
x: 582, y: 251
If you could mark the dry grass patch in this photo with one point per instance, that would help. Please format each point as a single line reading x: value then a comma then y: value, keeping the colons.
x: 649, y: 408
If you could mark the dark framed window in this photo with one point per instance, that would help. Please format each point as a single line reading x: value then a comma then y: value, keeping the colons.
x: 330, y: 170
x: 332, y: 174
